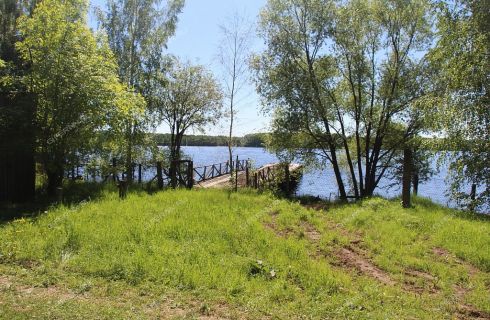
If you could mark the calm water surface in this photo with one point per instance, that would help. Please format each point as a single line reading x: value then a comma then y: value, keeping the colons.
x: 317, y: 182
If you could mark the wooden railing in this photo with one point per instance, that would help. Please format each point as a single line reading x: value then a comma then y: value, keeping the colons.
x: 219, y: 169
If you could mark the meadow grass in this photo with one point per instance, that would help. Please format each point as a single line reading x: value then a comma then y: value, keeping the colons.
x: 212, y: 253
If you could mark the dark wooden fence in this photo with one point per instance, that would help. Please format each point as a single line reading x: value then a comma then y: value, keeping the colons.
x: 186, y: 174
x: 17, y: 175
x: 17, y: 164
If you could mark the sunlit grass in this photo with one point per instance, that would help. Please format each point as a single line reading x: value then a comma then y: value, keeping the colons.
x: 215, y: 247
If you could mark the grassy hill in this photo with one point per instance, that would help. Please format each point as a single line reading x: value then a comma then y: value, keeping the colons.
x: 212, y: 254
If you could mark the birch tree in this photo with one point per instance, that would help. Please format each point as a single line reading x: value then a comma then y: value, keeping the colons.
x: 233, y: 55
x: 138, y: 32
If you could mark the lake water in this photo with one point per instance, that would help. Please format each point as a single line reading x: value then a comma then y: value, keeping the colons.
x: 317, y: 182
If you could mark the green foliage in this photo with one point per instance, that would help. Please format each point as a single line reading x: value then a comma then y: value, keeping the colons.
x: 249, y: 140
x: 138, y: 31
x: 188, y: 96
x: 344, y: 74
x: 74, y: 76
x: 459, y: 104
x: 246, y: 252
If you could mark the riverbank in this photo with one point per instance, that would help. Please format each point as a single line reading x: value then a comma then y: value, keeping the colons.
x: 214, y: 254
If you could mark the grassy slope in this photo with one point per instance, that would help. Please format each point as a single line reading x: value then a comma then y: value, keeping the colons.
x: 189, y: 254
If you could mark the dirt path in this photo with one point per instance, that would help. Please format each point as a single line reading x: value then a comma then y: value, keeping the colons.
x: 355, y: 257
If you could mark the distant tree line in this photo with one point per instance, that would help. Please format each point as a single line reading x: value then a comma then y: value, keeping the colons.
x: 257, y: 140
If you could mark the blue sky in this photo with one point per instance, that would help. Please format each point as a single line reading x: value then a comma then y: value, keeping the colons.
x: 197, y: 40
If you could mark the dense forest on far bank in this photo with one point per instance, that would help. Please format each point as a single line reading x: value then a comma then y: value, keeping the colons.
x: 256, y: 140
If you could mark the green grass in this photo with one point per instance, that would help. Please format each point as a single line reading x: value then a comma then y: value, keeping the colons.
x: 188, y: 254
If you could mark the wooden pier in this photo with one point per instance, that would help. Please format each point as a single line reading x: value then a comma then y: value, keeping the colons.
x: 247, y: 177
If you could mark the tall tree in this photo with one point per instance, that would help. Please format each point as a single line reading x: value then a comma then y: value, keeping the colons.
x: 74, y: 76
x: 345, y: 76
x: 138, y: 31
x: 234, y: 53
x: 188, y: 97
x: 461, y: 96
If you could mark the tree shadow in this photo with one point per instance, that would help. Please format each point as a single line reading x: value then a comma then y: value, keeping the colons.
x: 74, y: 192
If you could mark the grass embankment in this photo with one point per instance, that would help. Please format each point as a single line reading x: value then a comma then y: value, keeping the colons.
x: 208, y: 253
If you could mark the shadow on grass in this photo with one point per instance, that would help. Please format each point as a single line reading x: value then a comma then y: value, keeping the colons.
x: 74, y: 192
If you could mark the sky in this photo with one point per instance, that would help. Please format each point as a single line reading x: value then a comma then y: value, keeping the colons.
x: 197, y: 39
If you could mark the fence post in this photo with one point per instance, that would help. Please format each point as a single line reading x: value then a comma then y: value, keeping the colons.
x: 59, y: 195
x: 237, y: 164
x: 123, y: 188
x: 247, y: 174
x: 139, y: 173
x: 407, y: 175
x: 190, y: 174
x: 114, y: 163
x: 256, y: 181
x: 159, y: 175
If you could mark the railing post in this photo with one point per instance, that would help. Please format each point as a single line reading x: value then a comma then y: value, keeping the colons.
x: 247, y: 175
x: 236, y: 173
x: 204, y: 174
x: 159, y: 175
x: 190, y: 174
